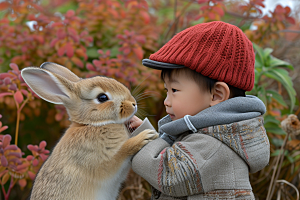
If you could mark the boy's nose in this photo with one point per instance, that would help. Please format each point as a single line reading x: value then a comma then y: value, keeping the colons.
x: 167, y: 102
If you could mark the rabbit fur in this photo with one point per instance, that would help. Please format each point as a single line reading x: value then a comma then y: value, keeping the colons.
x: 92, y: 158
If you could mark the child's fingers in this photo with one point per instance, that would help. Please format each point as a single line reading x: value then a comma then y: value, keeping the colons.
x: 135, y: 122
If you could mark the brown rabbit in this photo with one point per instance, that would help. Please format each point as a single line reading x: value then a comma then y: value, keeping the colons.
x: 92, y: 158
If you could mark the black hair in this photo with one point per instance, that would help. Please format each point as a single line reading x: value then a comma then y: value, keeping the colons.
x: 204, y: 82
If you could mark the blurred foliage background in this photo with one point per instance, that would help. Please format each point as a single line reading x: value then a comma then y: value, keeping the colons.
x: 110, y: 38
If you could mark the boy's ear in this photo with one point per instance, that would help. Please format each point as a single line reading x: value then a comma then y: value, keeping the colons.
x: 221, y: 92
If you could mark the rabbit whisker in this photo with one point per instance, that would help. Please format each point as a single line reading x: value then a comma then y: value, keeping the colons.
x: 142, y: 97
x: 138, y: 87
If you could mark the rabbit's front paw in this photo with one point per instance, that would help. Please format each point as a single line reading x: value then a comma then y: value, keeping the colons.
x: 148, y: 136
x: 134, y: 144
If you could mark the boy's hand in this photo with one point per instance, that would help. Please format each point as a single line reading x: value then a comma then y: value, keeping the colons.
x: 134, y: 122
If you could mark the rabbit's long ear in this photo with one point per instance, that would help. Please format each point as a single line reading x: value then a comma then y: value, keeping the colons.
x: 48, y: 86
x: 61, y: 70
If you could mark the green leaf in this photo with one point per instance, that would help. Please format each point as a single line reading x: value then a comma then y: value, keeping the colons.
x: 258, y: 63
x: 277, y: 142
x: 276, y: 130
x: 278, y: 152
x: 281, y: 75
x: 275, y: 62
x: 114, y: 51
x: 276, y: 96
x: 285, y: 75
x: 272, y: 119
x: 92, y: 52
x: 259, y: 54
x: 291, y: 159
x: 261, y: 93
x: 266, y: 55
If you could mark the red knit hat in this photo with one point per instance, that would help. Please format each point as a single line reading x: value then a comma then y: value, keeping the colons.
x: 216, y: 49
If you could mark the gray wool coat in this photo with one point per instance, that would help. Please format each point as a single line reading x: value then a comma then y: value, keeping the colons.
x: 199, y: 158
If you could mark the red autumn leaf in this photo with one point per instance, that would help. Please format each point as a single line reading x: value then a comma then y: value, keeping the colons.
x: 4, y: 161
x: 25, y: 92
x: 144, y: 4
x: 279, y: 9
x: 46, y: 151
x: 5, y: 178
x: 44, y: 157
x: 287, y: 9
x: 126, y: 50
x: 198, y: 17
x: 22, y: 183
x: 77, y: 62
x: 4, y: 5
x: 6, y: 140
x: 138, y: 52
x: 61, y: 51
x: 205, y: 7
x: 53, y: 42
x: 18, y: 96
x: 40, y: 39
x: 29, y: 158
x: 70, y: 50
x: 22, y: 166
x: 81, y: 53
x: 3, y: 172
x: 3, y: 128
x: 15, y: 154
x: 7, y: 81
x: 32, y: 148
x: 202, y: 1
x: 11, y: 147
x: 4, y: 75
x: 70, y: 13
x: 291, y: 20
x: 31, y: 175
x: 14, y: 67
x: 43, y: 144
x: 97, y: 63
x: 211, y: 15
x: 56, y: 24
x: 114, y: 13
x: 219, y: 10
x: 75, y: 38
x: 13, y: 87
x: 72, y: 31
x: 35, y: 162
x: 5, y: 94
x: 259, y: 10
x: 260, y: 4
x: 146, y: 16
x: 58, y: 117
x: 140, y: 38
x: 37, y: 7
x: 61, y: 34
x: 91, y: 67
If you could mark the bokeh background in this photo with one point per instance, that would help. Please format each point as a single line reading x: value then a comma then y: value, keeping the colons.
x: 110, y: 38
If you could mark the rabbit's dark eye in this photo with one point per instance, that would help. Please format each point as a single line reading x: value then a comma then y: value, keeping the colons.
x: 102, y: 97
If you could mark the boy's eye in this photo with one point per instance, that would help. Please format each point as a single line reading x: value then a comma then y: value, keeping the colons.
x: 174, y: 90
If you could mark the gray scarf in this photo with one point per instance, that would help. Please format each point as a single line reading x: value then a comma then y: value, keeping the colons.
x: 229, y: 111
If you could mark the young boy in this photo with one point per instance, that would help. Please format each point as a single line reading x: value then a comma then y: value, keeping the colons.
x: 213, y: 135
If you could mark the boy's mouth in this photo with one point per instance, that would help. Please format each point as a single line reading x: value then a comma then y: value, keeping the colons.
x: 171, y: 116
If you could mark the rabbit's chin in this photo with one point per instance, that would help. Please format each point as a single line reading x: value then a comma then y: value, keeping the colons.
x: 121, y: 121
